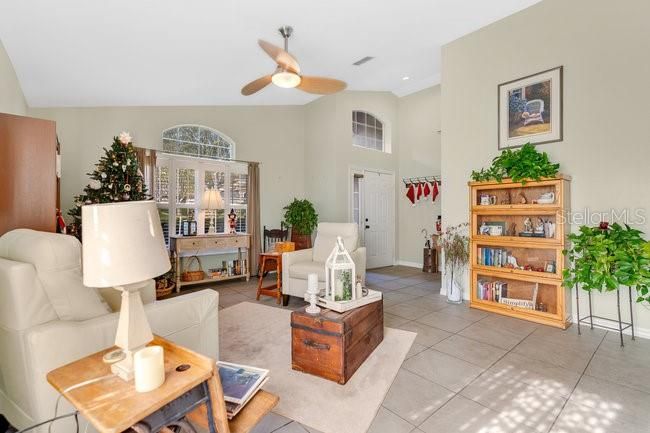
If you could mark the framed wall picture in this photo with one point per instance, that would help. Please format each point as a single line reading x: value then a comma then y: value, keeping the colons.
x: 530, y: 109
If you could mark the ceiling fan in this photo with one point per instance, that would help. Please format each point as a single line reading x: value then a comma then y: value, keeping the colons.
x: 287, y: 74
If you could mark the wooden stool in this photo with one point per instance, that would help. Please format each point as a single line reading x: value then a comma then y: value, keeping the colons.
x: 271, y: 262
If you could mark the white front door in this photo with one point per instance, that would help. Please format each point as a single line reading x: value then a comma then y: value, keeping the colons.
x: 379, y: 218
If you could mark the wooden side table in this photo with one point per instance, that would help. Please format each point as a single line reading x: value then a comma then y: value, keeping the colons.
x: 271, y: 261
x: 112, y: 405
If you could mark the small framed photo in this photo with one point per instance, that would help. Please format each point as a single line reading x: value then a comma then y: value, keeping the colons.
x: 549, y: 267
x: 496, y: 228
x: 530, y: 109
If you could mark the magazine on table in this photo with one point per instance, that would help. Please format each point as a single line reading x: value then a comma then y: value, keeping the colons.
x: 233, y: 409
x: 240, y: 382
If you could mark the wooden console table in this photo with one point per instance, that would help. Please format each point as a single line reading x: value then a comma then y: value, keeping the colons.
x: 195, y: 245
x: 112, y: 405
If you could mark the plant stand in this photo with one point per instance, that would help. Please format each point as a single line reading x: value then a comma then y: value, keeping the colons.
x: 621, y: 325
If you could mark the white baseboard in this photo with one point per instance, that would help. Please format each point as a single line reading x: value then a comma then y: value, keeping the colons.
x: 598, y: 323
x: 409, y: 264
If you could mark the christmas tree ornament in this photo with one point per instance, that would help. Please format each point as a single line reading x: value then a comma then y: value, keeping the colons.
x: 95, y: 184
x: 127, y: 187
x: 125, y: 138
x: 103, y: 175
x: 123, y: 167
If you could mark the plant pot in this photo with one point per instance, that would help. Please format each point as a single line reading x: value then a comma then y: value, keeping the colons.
x: 302, y: 241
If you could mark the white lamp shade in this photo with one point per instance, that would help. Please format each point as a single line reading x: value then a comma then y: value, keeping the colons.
x: 212, y: 200
x: 123, y: 243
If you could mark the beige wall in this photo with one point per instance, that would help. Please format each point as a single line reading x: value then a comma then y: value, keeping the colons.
x: 12, y: 100
x: 305, y: 151
x: 272, y: 135
x: 603, y: 46
x: 419, y: 155
x: 412, y: 123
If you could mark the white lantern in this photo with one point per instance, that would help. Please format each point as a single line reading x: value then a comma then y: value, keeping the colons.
x: 340, y: 275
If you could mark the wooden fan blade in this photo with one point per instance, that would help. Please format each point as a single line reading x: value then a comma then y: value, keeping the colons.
x: 280, y: 56
x: 321, y: 85
x: 256, y: 85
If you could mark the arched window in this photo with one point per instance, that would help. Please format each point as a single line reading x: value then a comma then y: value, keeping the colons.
x: 196, y: 140
x: 367, y: 131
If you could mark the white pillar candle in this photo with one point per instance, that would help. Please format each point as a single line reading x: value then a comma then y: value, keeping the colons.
x: 312, y: 283
x: 149, y: 368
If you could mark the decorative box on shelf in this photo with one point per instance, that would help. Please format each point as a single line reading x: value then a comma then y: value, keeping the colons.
x: 518, y: 232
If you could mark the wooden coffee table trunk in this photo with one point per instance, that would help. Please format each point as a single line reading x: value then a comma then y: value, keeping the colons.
x: 334, y: 345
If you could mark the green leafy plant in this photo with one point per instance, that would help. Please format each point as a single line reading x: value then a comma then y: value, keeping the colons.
x: 301, y: 216
x: 346, y: 279
x: 606, y: 257
x: 520, y: 165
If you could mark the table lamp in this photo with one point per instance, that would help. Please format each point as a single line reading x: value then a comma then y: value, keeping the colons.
x: 212, y: 200
x: 124, y: 247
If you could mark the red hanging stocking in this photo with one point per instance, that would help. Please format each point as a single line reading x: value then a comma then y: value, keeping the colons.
x: 426, y: 190
x: 435, y: 191
x: 410, y: 193
x: 419, y: 192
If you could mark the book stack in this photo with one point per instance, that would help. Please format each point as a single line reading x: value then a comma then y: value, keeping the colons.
x: 240, y: 383
x: 492, y: 290
x: 493, y: 257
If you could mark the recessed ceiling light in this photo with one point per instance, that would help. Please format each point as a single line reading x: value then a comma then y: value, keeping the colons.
x: 406, y: 78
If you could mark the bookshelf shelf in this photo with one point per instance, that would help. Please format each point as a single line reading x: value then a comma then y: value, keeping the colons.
x: 511, y: 273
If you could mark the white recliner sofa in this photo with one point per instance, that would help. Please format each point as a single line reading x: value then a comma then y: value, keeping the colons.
x: 48, y: 319
x: 296, y: 265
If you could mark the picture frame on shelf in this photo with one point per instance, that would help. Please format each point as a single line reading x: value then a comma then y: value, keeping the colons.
x: 496, y: 228
x: 530, y: 109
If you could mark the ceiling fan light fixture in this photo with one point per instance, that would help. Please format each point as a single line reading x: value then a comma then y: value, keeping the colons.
x: 285, y: 79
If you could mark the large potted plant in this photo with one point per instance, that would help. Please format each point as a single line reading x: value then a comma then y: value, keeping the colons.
x: 301, y: 216
x: 606, y: 257
x: 454, y: 243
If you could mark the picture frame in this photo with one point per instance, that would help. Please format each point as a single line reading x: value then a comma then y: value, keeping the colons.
x: 496, y: 228
x: 530, y: 109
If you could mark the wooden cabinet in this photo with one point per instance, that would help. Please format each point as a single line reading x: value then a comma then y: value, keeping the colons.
x: 513, y: 272
x: 28, y: 181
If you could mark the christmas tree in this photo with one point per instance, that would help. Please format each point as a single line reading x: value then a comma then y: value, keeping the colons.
x: 115, y: 178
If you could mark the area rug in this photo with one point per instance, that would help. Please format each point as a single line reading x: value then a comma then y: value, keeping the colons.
x: 259, y: 335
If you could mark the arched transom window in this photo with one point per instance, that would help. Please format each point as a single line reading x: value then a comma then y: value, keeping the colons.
x: 367, y: 131
x: 199, y: 141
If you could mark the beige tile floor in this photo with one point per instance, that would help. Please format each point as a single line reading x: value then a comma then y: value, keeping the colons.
x: 470, y: 371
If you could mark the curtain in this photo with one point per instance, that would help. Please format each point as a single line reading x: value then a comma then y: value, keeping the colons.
x: 254, y: 216
x: 147, y: 165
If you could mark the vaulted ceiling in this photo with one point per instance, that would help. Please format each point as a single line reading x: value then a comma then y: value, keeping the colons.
x: 201, y: 52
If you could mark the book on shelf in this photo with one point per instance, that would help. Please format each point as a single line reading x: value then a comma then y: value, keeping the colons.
x: 497, y: 257
x: 240, y: 383
x: 492, y: 290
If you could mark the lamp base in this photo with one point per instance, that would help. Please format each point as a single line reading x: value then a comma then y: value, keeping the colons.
x: 124, y: 368
x: 133, y: 331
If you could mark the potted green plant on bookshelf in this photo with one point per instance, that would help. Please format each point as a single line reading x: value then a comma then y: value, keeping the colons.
x: 519, y: 165
x: 301, y: 216
x: 604, y: 258
x: 454, y: 243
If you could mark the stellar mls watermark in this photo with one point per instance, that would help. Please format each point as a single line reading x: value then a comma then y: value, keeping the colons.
x: 589, y: 217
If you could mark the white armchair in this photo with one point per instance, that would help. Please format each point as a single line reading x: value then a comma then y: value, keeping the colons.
x: 296, y: 265
x: 48, y: 319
